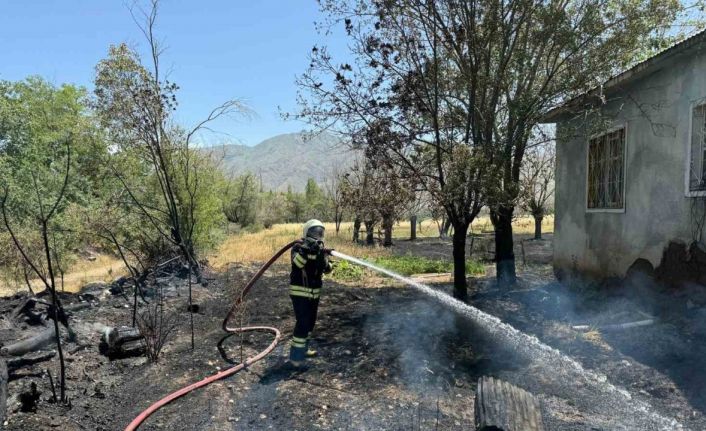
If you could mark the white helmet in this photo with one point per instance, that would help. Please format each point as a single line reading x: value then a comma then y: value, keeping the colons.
x: 312, y: 224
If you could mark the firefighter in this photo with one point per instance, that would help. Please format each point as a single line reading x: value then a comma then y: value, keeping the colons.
x: 309, y: 263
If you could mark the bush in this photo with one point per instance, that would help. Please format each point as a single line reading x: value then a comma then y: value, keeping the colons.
x: 409, y: 265
x: 404, y: 265
x: 346, y: 271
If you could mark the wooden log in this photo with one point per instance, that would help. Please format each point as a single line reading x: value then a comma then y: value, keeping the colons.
x: 501, y: 406
x: 31, y: 344
x: 29, y: 359
x: 3, y: 393
x: 23, y: 307
x: 131, y: 348
x: 121, y: 341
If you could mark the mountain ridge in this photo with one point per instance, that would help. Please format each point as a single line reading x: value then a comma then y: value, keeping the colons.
x: 286, y: 160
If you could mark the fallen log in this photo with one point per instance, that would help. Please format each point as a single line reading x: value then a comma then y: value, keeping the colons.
x: 3, y: 392
x: 70, y: 308
x: 29, y: 359
x: 122, y: 341
x: 29, y: 344
x: 500, y: 406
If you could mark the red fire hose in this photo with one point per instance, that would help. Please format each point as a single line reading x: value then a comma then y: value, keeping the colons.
x: 230, y: 371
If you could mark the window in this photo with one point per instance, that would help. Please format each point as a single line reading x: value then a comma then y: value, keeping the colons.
x: 697, y: 172
x: 606, y: 171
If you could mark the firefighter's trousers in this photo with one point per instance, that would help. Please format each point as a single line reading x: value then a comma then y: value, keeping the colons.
x: 305, y: 310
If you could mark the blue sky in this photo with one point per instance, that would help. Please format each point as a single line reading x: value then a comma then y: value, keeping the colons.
x: 216, y: 50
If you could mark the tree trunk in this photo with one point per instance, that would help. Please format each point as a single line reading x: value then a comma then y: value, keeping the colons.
x: 387, y: 228
x: 538, y: 226
x: 459, y: 255
x: 356, y: 230
x: 413, y: 228
x: 444, y: 230
x: 504, y: 246
x: 338, y: 219
x: 369, y: 233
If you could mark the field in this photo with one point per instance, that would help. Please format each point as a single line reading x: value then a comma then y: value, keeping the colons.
x: 246, y: 247
x: 259, y: 246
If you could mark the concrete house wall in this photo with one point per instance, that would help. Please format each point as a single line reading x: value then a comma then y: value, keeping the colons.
x: 656, y: 111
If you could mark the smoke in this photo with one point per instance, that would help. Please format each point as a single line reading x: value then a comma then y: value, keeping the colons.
x: 550, y: 372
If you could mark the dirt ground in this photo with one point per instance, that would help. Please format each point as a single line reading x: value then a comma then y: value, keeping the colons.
x: 389, y: 358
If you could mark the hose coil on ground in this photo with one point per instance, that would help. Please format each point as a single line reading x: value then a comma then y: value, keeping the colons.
x: 230, y: 330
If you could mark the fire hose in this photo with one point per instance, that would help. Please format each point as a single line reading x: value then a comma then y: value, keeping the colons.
x: 230, y: 330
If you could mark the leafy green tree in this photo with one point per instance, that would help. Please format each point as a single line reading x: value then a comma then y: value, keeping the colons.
x: 296, y: 205
x: 241, y: 199
x: 50, y: 154
x: 315, y: 201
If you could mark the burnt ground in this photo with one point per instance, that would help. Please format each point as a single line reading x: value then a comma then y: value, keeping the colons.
x: 389, y: 359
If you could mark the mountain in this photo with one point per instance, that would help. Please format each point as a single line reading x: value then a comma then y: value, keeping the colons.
x: 286, y: 160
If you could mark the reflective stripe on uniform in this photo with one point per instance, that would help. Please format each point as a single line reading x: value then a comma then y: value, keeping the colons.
x: 298, y: 342
x: 299, y: 260
x: 312, y: 256
x: 304, y: 292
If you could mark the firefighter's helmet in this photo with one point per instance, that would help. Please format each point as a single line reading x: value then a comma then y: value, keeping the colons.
x: 314, y: 229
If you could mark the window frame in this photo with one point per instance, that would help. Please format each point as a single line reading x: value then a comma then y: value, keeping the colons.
x: 687, y: 166
x: 605, y: 132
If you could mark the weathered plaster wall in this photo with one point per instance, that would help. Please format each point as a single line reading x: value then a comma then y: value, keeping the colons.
x: 656, y: 111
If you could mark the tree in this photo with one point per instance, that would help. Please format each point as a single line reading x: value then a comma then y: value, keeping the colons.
x: 135, y: 104
x: 377, y: 194
x: 50, y: 158
x: 458, y: 86
x: 296, y: 205
x: 537, y: 184
x: 37, y: 194
x: 314, y: 201
x: 241, y: 200
x: 334, y: 196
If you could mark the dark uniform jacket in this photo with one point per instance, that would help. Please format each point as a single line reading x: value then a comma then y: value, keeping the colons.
x: 307, y: 272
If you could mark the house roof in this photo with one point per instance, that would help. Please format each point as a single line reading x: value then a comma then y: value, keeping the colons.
x: 637, y: 71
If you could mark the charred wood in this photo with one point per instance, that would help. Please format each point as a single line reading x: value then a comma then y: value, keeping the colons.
x: 31, y: 344
x: 501, y: 406
x: 122, y: 341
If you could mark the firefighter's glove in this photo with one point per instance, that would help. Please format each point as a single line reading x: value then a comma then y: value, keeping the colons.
x: 313, y: 246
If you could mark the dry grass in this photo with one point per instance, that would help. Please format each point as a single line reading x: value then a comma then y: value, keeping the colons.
x: 428, y: 228
x: 104, y: 268
x: 595, y: 337
x: 260, y: 246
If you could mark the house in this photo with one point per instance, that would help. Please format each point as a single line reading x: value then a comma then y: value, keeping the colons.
x: 631, y: 165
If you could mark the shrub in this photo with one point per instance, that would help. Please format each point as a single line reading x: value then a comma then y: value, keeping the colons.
x: 346, y: 271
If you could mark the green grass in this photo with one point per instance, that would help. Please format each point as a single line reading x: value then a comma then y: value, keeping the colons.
x: 404, y: 265
x: 346, y: 271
